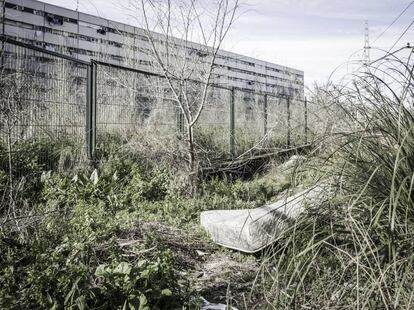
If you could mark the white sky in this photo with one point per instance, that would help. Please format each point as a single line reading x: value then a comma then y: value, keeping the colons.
x: 315, y: 36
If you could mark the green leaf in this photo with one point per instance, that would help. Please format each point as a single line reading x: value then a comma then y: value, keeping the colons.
x: 94, y: 177
x: 123, y: 268
x: 101, y: 270
x: 72, y: 292
x: 143, y: 303
x: 81, y: 302
x: 166, y: 292
x: 125, y: 306
x: 141, y: 263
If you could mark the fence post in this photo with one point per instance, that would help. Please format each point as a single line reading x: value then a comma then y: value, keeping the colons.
x: 306, y: 120
x: 288, y: 120
x: 265, y: 115
x: 91, y: 110
x: 232, y: 124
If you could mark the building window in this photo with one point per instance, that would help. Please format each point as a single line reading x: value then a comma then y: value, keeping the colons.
x: 27, y: 10
x: 145, y: 62
x: 273, y: 69
x: 116, y: 57
x: 54, y: 19
x: 39, y: 13
x: 101, y: 31
x: 70, y: 20
x: 14, y: 6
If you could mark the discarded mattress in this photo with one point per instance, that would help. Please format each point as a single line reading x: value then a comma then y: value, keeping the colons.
x: 209, y: 306
x: 251, y: 230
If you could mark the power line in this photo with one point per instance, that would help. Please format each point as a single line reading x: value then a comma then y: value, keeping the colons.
x: 388, y: 54
x: 403, y: 34
x: 395, y: 20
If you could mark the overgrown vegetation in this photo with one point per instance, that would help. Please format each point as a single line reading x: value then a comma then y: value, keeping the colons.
x: 353, y: 250
x: 124, y: 233
x: 63, y: 234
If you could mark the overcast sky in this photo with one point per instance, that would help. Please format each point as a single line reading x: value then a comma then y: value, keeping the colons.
x: 315, y: 36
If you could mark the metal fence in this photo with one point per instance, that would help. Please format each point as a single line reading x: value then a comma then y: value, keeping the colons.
x: 133, y: 102
x: 42, y: 99
x: 64, y: 101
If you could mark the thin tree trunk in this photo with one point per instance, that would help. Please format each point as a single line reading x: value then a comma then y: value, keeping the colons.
x: 192, y: 161
x: 190, y: 141
x: 10, y: 162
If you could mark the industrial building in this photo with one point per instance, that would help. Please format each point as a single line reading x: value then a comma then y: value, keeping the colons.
x: 86, y: 37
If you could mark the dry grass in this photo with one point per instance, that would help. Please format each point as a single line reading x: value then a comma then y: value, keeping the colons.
x: 354, y: 251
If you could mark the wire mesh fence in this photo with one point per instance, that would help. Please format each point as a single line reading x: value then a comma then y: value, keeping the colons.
x: 129, y: 102
x: 212, y: 128
x: 248, y: 119
x: 42, y: 100
x: 59, y: 100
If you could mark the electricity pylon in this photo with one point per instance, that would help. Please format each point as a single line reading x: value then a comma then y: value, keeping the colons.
x: 366, y: 56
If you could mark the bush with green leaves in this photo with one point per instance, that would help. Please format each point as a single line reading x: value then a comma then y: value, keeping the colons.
x: 63, y: 249
x: 70, y: 257
x: 65, y: 252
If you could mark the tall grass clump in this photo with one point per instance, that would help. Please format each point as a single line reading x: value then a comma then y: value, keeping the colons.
x: 353, y: 250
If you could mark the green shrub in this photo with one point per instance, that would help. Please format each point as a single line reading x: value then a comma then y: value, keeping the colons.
x: 71, y: 258
x: 64, y: 252
x: 148, y: 188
